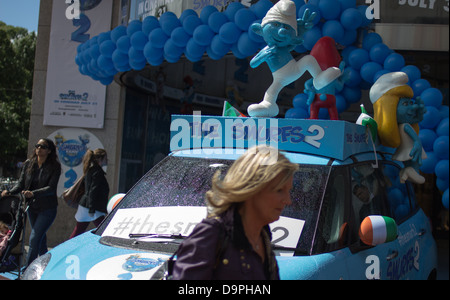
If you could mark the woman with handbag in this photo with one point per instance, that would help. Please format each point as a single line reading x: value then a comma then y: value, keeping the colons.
x: 92, y: 205
x: 38, y: 182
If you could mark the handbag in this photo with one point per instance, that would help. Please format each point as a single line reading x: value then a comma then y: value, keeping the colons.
x: 72, y: 195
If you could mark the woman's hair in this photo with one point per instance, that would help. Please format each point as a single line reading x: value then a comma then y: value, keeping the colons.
x: 52, y: 157
x: 248, y: 175
x: 92, y: 157
x: 385, y: 114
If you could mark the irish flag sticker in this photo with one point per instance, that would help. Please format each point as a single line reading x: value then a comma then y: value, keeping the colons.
x: 377, y: 230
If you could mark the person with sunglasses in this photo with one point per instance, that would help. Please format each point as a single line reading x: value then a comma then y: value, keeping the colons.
x: 38, y: 182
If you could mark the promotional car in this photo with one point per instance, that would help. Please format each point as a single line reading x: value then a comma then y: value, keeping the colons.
x: 350, y: 218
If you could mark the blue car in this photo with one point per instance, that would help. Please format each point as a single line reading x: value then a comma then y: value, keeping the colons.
x: 350, y: 218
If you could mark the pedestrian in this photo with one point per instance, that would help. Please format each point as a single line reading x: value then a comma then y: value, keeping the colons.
x: 234, y: 241
x: 38, y: 182
x: 92, y: 205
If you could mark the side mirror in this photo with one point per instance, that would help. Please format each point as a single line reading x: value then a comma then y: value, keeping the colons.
x: 376, y: 230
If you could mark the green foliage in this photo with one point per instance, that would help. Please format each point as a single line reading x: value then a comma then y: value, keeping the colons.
x: 17, y: 49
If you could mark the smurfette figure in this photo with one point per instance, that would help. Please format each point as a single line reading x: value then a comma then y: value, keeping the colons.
x: 397, y: 115
x: 282, y: 32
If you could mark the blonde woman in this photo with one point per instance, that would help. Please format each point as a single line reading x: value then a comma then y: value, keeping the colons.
x: 92, y: 206
x: 397, y: 115
x: 234, y: 242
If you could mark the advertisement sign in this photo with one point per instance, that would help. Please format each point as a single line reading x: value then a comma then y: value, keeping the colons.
x: 72, y: 99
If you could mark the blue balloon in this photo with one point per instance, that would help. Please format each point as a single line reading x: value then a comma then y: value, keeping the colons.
x: 104, y: 36
x: 419, y: 86
x: 105, y: 63
x: 107, y: 48
x: 194, y: 51
x: 443, y: 112
x: 158, y: 38
x: 413, y: 73
x: 149, y: 24
x: 246, y: 46
x: 334, y: 29
x: 442, y: 184
x: 261, y: 8
x: 351, y: 18
x: 379, y: 52
x: 134, y: 26
x: 180, y: 37
x: 172, y: 50
x: 119, y: 58
x: 299, y: 101
x: 369, y: 69
x: 429, y: 163
x: 138, y: 40
x: 256, y: 37
x: 244, y: 18
x: 429, y: 118
x: 124, y: 44
x: 118, y: 32
x: 394, y: 62
x: 371, y: 39
x: 445, y: 199
x: 229, y: 33
x: 357, y: 58
x: 432, y: 97
x: 168, y: 22
x: 137, y: 64
x: 379, y: 74
x: 351, y: 95
x: 311, y: 37
x: 440, y: 147
x: 441, y: 169
x: 365, y: 21
x: 136, y: 55
x: 341, y: 103
x: 349, y: 38
x: 203, y: 35
x: 94, y: 51
x: 427, y: 137
x: 232, y: 9
x: 107, y: 80
x: 190, y: 23
x: 345, y: 4
x: 216, y: 20
x: 236, y: 52
x: 296, y: 113
x: 206, y: 13
x: 442, y: 128
x: 218, y: 47
x: 212, y: 54
x: 152, y: 54
x: 346, y: 52
x: 329, y: 9
x: 186, y: 13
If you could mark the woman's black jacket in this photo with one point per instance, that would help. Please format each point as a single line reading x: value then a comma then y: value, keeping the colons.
x: 96, y: 190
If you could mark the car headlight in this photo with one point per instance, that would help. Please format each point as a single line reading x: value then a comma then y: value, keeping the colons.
x: 37, y: 267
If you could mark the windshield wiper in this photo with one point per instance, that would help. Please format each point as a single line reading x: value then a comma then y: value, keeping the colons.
x: 155, y: 236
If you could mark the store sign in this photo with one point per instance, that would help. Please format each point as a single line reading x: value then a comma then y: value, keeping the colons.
x: 415, y: 11
x: 72, y: 99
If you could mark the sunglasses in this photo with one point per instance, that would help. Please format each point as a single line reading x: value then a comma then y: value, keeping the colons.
x: 37, y: 146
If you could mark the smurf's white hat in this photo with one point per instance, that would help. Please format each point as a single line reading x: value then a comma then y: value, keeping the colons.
x: 284, y: 11
x: 385, y: 83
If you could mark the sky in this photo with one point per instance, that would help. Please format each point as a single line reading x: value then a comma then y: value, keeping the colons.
x: 20, y: 13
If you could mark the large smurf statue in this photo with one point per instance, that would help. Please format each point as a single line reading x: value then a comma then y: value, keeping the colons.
x: 397, y: 115
x: 282, y: 32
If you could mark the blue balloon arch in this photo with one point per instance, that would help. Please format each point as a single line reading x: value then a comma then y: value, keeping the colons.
x: 215, y: 33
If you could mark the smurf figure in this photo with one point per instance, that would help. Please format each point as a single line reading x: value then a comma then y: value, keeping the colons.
x: 397, y: 115
x: 322, y: 89
x: 282, y: 32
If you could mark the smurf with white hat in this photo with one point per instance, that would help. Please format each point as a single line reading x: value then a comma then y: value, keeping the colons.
x: 282, y: 32
x: 397, y: 115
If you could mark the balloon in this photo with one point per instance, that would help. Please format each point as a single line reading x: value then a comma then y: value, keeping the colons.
x: 107, y: 80
x: 149, y: 24
x: 118, y: 32
x: 394, y: 62
x: 441, y: 169
x: 104, y: 36
x: 346, y: 52
x: 105, y: 63
x: 232, y: 9
x: 363, y: 9
x: 246, y: 46
x: 442, y: 128
x: 206, y: 13
x: 312, y: 8
x: 152, y: 54
x: 216, y: 20
x: 432, y: 97
x: 349, y: 38
x: 369, y: 69
x: 173, y: 51
x: 169, y: 22
x: 190, y: 23
x: 379, y: 52
x: 138, y: 40
x: 427, y: 137
x: 136, y: 55
x: 351, y: 18
x: 194, y: 51
x: 236, y: 52
x: 419, y: 86
x: 119, y: 58
x: 229, y: 33
x: 329, y: 9
x: 345, y: 4
x: 158, y: 38
x: 413, y: 73
x: 94, y: 51
x: 341, y: 103
x: 218, y: 47
x: 440, y: 147
x: 137, y: 64
x: 212, y: 54
x: 256, y: 37
x: 371, y: 39
x: 445, y: 199
x: 107, y: 48
x: 442, y: 184
x: 186, y: 13
x: 429, y: 163
x: 261, y: 8
x: 244, y: 18
x: 334, y: 29
x: 357, y: 58
x: 379, y: 74
x: 123, y: 44
x: 180, y: 37
x: 311, y: 37
x: 297, y: 113
x: 351, y: 95
x: 203, y: 35
x: 444, y: 112
x: 429, y: 118
x: 134, y: 26
x: 299, y: 101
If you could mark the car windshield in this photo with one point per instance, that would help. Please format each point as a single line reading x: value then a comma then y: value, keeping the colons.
x: 183, y: 181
